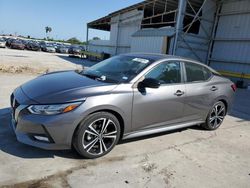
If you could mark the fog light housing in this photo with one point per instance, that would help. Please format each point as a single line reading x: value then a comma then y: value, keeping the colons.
x: 42, y: 138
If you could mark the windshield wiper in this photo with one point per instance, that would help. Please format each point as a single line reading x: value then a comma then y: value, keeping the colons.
x: 92, y: 76
x: 99, y: 78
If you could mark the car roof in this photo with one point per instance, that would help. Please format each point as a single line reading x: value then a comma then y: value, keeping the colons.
x: 158, y: 57
x: 153, y: 57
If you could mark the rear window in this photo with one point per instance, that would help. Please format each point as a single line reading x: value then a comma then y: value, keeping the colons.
x: 197, y: 73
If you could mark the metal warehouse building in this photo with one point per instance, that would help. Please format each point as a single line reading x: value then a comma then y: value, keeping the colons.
x: 214, y: 32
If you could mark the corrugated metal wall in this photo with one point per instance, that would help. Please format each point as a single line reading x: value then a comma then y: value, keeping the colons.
x: 199, y: 47
x: 147, y: 44
x: 100, y: 46
x: 196, y: 46
x: 122, y: 28
x: 231, y: 51
x: 230, y: 48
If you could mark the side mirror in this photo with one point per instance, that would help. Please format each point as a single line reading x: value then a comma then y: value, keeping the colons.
x: 150, y: 83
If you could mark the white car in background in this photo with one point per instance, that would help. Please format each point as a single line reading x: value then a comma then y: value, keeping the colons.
x: 49, y: 48
x: 2, y: 43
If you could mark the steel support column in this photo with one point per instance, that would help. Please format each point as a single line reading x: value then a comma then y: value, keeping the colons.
x: 87, y: 37
x: 179, y: 22
x: 117, y: 34
x: 215, y: 25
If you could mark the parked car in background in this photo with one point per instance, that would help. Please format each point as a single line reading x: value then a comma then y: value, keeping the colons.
x: 48, y: 48
x: 75, y: 50
x: 42, y: 44
x: 62, y: 49
x: 25, y: 42
x: 123, y: 97
x: 17, y: 44
x: 34, y: 46
x: 9, y: 41
x: 2, y: 43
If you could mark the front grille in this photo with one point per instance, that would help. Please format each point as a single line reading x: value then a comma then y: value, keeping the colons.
x: 11, y: 99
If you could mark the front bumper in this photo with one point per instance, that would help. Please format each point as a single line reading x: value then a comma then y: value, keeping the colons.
x: 57, y: 130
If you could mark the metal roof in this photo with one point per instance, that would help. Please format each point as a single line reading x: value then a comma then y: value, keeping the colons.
x: 104, y: 22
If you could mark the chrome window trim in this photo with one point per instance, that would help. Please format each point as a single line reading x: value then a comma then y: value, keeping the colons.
x: 195, y: 82
x: 140, y: 76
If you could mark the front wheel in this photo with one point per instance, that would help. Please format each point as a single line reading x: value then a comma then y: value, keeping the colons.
x: 97, y: 135
x: 215, y: 116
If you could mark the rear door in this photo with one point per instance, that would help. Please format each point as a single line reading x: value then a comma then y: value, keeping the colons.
x: 162, y: 106
x: 199, y: 91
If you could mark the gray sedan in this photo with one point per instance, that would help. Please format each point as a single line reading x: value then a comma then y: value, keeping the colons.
x: 122, y: 97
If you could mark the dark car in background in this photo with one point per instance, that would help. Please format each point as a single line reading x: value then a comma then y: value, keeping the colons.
x: 17, y: 44
x: 9, y: 41
x: 42, y: 44
x: 75, y: 50
x: 34, y: 46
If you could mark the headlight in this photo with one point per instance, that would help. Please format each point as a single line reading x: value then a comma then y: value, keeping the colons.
x: 53, y: 109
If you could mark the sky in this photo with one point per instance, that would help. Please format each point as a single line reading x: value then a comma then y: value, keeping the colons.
x: 67, y: 18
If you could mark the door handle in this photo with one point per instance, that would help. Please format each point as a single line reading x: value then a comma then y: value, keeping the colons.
x: 214, y: 88
x: 179, y: 93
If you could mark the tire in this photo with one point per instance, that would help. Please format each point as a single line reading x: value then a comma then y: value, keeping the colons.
x: 91, y: 139
x: 215, y: 116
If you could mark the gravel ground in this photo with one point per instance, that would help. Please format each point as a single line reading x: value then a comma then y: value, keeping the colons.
x: 19, y: 61
x: 185, y: 158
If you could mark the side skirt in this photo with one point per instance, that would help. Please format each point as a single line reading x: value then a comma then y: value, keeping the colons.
x: 159, y: 130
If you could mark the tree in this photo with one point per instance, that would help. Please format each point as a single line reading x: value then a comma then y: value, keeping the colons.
x: 48, y: 30
x: 74, y: 40
x: 96, y: 38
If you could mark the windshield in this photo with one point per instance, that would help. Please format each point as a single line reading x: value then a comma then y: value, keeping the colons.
x: 119, y: 69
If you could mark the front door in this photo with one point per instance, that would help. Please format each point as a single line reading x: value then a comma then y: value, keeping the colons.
x: 162, y: 106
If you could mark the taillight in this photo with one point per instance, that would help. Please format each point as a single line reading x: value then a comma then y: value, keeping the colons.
x: 234, y: 87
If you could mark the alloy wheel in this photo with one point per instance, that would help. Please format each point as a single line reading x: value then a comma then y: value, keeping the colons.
x: 217, y: 115
x: 100, y: 136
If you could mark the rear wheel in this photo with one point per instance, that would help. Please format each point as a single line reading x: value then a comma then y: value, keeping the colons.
x: 215, y: 116
x: 97, y: 135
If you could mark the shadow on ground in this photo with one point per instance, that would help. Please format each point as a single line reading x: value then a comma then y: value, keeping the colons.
x: 78, y: 61
x: 10, y: 145
x: 241, y: 105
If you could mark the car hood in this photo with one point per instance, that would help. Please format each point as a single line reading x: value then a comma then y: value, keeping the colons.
x: 62, y: 87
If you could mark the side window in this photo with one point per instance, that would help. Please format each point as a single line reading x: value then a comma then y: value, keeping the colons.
x: 196, y: 73
x: 207, y: 73
x: 166, y: 73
